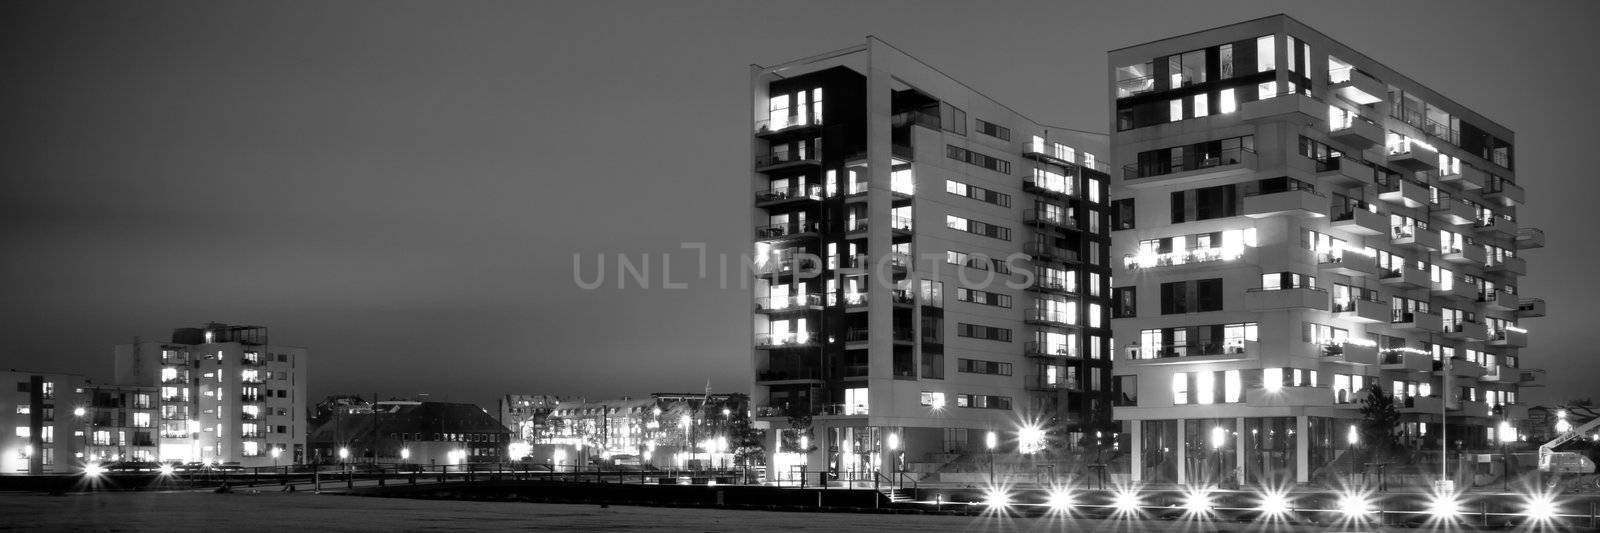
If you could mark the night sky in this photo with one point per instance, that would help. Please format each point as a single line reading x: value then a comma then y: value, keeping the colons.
x: 401, y: 187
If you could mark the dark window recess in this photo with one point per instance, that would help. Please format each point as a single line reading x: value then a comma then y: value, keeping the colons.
x: 994, y: 130
x: 1126, y: 302
x: 1122, y: 214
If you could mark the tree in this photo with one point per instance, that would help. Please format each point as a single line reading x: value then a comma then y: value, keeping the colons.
x: 1379, y: 418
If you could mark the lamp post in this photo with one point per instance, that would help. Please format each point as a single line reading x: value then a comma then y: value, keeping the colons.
x: 991, y: 440
x: 892, y: 442
x: 1352, y: 437
x: 276, y: 451
x: 1507, y: 434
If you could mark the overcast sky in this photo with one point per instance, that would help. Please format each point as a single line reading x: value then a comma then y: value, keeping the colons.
x: 401, y: 187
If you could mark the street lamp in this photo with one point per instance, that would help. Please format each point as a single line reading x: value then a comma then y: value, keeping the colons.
x: 1352, y: 437
x: 1507, y: 434
x: 991, y: 440
x: 275, y: 452
x: 892, y: 442
x: 1562, y: 425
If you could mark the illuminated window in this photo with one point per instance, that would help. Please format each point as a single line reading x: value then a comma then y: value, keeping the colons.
x: 1232, y: 387
x: 1180, y: 388
x: 1205, y: 387
x: 1266, y: 53
x: 1202, y: 105
x: 1175, y: 110
x: 1272, y: 378
x: 1227, y: 102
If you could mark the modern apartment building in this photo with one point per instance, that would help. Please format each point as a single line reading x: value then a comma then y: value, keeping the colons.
x: 40, y: 416
x: 225, y: 394
x: 931, y: 268
x: 1294, y: 223
x: 119, y: 423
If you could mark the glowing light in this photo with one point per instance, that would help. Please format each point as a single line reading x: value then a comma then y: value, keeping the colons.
x: 344, y: 453
x: 405, y: 453
x: 1060, y: 500
x: 1444, y: 506
x: 518, y: 449
x: 805, y: 443
x: 1030, y: 439
x: 991, y: 440
x: 276, y: 452
x: 1274, y: 504
x: 77, y: 411
x: 1197, y: 503
x: 1127, y: 501
x: 1509, y: 434
x: 1351, y: 436
x: 93, y: 470
x: 997, y: 498
x: 1540, y: 508
x: 892, y: 441
x: 1219, y: 437
x: 167, y: 470
x: 1354, y: 505
x: 560, y: 456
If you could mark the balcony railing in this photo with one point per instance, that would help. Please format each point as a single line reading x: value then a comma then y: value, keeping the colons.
x: 797, y: 301
x: 1161, y: 351
x: 790, y: 374
x: 1048, y: 252
x: 900, y: 224
x: 1054, y: 218
x: 767, y: 160
x: 786, y: 229
x: 779, y: 194
x: 1230, y: 156
x: 785, y: 340
x: 1048, y: 316
x: 1041, y: 349
x: 777, y: 124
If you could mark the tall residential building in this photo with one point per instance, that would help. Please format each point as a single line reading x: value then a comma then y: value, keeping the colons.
x: 43, y: 431
x: 931, y: 267
x: 1294, y: 223
x: 225, y: 394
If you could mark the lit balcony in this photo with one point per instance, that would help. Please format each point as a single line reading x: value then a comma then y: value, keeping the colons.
x: 1365, y: 353
x: 1506, y: 192
x: 1472, y: 254
x: 1039, y: 217
x: 1294, y: 202
x: 775, y: 125
x: 786, y: 161
x: 786, y: 230
x: 1163, y: 354
x: 1226, y: 163
x: 1500, y: 301
x: 1031, y: 185
x: 1470, y: 178
x: 1530, y: 238
x: 778, y: 341
x: 1509, y: 265
x: 1049, y: 285
x: 1405, y: 278
x: 1509, y: 337
x: 782, y: 268
x: 1050, y: 253
x: 1404, y: 192
x: 1499, y: 374
x: 856, y: 225
x: 1530, y: 308
x: 789, y: 304
x: 1412, y: 321
x: 1296, y: 108
x: 1356, y: 86
x: 1431, y: 405
x: 1349, y: 263
x: 855, y: 301
x: 1288, y: 397
x: 1470, y: 331
x: 1406, y: 361
x: 1457, y: 290
x: 900, y: 225
x: 1414, y: 156
x: 1367, y: 311
x: 1361, y: 222
x: 1413, y: 236
x: 1359, y: 133
x: 1046, y: 351
x: 1462, y: 368
x: 1297, y: 298
x: 1454, y: 212
x: 777, y: 196
x: 1046, y: 317
x: 792, y: 376
x: 1345, y: 172
x: 1045, y: 383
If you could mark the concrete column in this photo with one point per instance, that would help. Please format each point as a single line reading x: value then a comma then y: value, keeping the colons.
x: 1238, y: 451
x: 1183, y: 453
x: 1302, y: 449
x: 1136, y: 447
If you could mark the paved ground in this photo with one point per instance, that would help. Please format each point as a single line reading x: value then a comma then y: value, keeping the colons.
x: 278, y: 512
